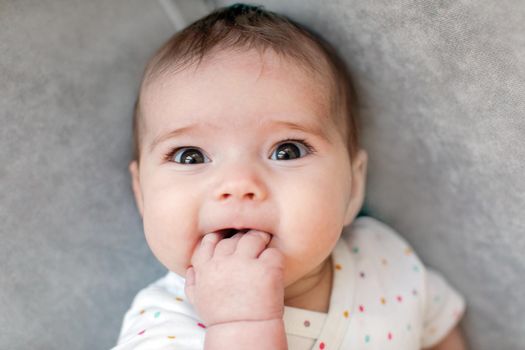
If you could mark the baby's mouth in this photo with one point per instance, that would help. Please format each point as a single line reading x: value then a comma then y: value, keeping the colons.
x: 230, y: 232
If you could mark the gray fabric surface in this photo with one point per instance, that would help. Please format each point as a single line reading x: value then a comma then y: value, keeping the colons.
x: 443, y: 110
x: 72, y: 252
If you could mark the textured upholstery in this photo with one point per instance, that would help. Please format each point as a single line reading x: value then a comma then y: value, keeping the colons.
x: 443, y: 113
x: 72, y: 252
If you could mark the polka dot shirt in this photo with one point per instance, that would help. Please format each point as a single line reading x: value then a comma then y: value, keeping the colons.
x: 382, y: 297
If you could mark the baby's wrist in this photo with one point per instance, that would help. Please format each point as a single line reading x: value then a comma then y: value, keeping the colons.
x: 253, y: 334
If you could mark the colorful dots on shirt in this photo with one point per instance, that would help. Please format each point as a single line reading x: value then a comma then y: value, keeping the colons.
x: 398, y: 296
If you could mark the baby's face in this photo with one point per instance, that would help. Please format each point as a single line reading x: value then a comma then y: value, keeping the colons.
x: 222, y: 148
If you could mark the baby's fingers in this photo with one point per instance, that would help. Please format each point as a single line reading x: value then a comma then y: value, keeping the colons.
x: 252, y: 244
x: 273, y: 257
x: 227, y: 246
x: 204, y: 252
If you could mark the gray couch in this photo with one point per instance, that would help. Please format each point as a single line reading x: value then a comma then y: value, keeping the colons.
x: 442, y: 87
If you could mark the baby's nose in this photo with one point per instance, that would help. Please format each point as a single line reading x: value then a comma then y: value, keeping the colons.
x: 244, y: 186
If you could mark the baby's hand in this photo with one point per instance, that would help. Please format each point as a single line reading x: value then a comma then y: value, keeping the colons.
x: 231, y: 280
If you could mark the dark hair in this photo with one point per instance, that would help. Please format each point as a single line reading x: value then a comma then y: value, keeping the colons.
x: 242, y: 26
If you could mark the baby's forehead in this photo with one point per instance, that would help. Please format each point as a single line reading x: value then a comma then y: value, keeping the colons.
x: 267, y: 62
x: 276, y: 68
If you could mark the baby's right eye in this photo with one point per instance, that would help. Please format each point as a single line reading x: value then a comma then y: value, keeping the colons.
x: 189, y: 156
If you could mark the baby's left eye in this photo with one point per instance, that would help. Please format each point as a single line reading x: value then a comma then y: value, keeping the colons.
x: 289, y: 150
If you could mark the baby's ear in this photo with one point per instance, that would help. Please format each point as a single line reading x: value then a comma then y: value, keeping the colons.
x: 135, y: 183
x: 357, y: 196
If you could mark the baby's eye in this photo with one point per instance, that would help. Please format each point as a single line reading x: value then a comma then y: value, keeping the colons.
x: 189, y: 156
x: 289, y: 149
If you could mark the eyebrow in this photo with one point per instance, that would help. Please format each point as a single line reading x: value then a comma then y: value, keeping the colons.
x: 307, y: 128
x: 313, y: 129
x: 176, y: 132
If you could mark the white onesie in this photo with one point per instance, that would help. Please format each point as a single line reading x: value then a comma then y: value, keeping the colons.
x: 382, y: 297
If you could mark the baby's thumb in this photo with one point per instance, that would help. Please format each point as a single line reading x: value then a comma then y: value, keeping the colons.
x: 190, y: 283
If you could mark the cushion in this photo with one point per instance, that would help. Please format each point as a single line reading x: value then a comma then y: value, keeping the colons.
x: 442, y: 104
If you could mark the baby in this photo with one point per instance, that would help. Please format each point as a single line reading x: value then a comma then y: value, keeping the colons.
x: 248, y: 177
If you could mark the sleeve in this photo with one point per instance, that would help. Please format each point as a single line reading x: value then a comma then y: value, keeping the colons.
x: 441, y: 306
x: 159, y: 319
x: 444, y: 307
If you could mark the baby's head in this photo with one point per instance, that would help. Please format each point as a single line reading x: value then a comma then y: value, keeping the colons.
x: 247, y: 120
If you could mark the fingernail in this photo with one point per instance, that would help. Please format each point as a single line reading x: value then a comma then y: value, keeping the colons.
x: 263, y: 235
x: 209, y: 237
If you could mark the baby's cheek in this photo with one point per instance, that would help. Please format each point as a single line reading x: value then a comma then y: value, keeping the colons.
x: 170, y: 231
x: 325, y: 207
x: 320, y: 225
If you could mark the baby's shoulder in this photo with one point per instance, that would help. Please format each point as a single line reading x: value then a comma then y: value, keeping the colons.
x: 159, y: 310
x: 391, y: 281
x: 157, y: 307
x: 375, y: 242
x: 368, y: 229
x: 166, y: 293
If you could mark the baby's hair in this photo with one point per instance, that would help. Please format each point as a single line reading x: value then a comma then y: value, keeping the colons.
x: 241, y: 26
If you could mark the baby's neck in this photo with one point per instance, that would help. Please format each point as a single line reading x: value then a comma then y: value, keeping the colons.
x: 312, y: 293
